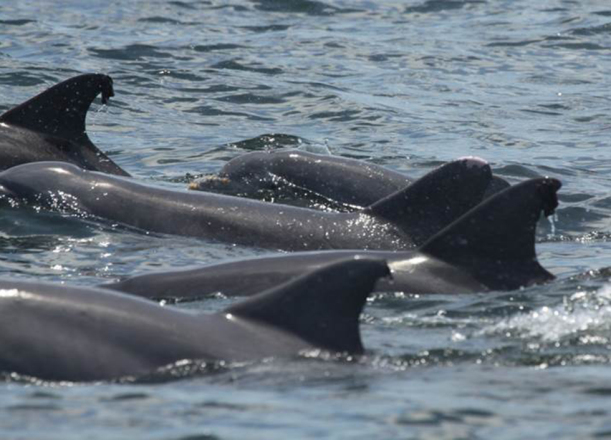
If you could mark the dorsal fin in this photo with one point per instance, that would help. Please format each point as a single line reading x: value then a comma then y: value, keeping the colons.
x: 497, y: 184
x: 434, y: 201
x: 500, y: 233
x: 61, y: 110
x: 59, y: 114
x: 322, y: 307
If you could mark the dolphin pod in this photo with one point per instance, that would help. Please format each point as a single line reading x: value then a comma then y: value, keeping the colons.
x: 434, y: 235
x: 56, y: 332
x: 498, y: 254
x: 340, y: 180
x: 400, y: 221
x: 51, y: 126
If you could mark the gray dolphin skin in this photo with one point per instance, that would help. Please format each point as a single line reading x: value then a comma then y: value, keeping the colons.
x: 342, y: 180
x: 51, y: 126
x: 492, y: 247
x: 400, y: 221
x: 55, y: 332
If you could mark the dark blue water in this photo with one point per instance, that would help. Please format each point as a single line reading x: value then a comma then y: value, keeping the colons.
x: 406, y: 84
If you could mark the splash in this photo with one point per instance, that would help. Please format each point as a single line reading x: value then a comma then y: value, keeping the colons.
x: 318, y: 148
x: 552, y: 219
x: 584, y: 315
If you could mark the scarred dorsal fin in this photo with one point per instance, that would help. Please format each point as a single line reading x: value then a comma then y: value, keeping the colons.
x: 59, y: 113
x: 500, y: 232
x: 322, y: 307
x: 61, y: 110
x: 434, y: 201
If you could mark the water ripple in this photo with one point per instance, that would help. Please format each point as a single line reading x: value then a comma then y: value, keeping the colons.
x: 408, y: 85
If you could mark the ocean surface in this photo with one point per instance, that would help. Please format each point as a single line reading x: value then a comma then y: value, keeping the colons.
x: 406, y: 84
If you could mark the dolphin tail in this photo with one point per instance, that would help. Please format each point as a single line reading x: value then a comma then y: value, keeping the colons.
x: 60, y: 111
x: 434, y: 201
x: 496, y: 240
x: 322, y: 307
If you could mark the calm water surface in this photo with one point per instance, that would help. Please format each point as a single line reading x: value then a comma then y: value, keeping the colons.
x: 407, y: 84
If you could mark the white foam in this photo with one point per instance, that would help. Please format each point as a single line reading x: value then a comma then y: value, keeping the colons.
x: 580, y: 313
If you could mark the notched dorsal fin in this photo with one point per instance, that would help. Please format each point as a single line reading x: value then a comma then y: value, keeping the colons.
x: 322, y: 307
x: 500, y: 232
x: 434, y: 201
x: 61, y: 110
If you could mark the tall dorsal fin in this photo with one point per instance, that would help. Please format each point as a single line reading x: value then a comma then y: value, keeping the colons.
x: 322, y: 307
x: 61, y: 110
x: 496, y: 240
x: 434, y: 201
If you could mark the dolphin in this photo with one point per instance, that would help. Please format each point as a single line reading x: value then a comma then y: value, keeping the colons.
x: 350, y: 183
x: 492, y: 247
x: 51, y: 126
x: 402, y: 220
x: 62, y: 333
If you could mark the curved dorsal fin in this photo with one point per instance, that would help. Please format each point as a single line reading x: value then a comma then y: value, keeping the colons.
x: 500, y: 232
x: 322, y: 307
x: 59, y: 115
x: 434, y: 201
x: 61, y: 110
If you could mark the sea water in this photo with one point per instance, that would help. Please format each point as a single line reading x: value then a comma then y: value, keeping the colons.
x: 405, y: 84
